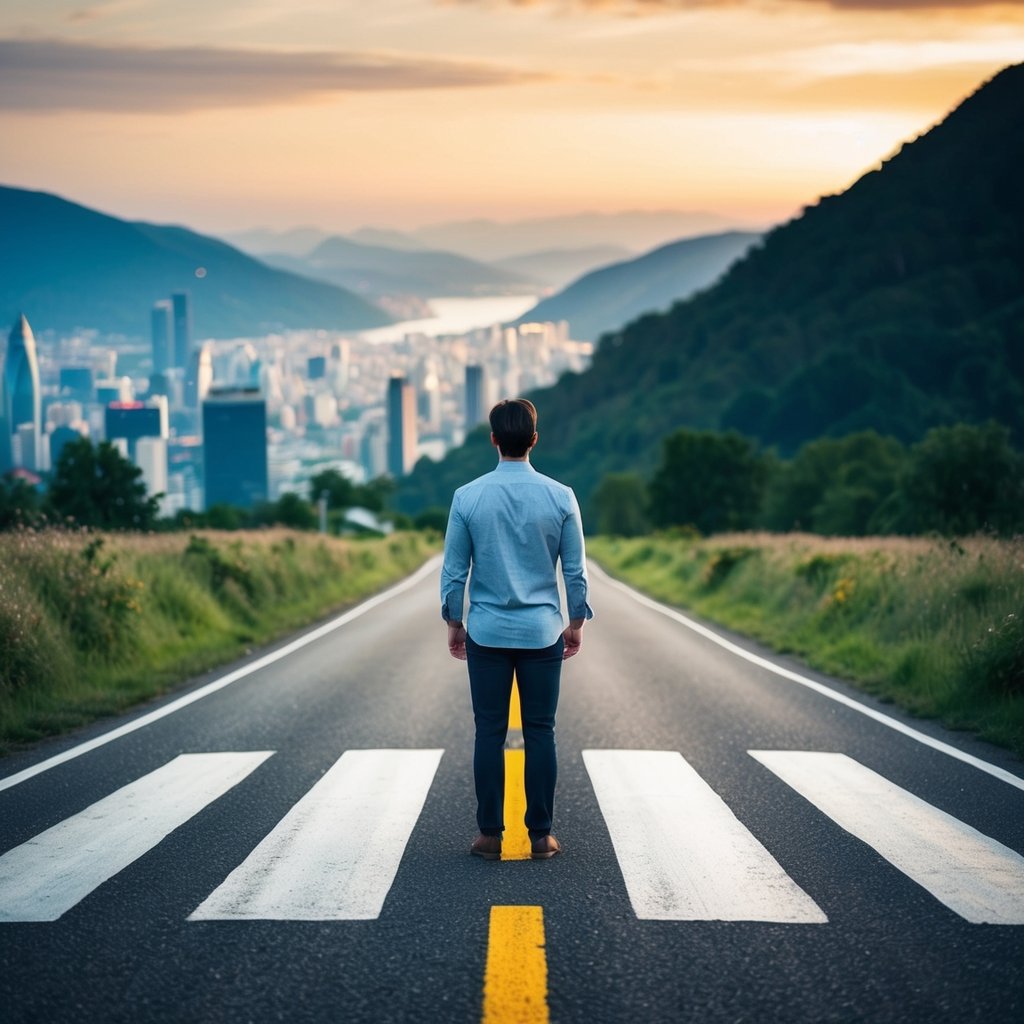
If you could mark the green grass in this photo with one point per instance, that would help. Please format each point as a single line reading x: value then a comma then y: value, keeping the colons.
x: 934, y: 626
x: 91, y: 624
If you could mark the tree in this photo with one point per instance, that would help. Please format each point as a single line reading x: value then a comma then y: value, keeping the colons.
x: 962, y: 479
x: 97, y: 486
x: 433, y: 518
x: 340, y: 491
x: 289, y: 510
x: 835, y: 485
x: 620, y: 504
x: 708, y: 480
x: 19, y: 502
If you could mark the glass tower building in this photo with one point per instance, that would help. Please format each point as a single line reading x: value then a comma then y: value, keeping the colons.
x: 235, y: 447
x: 20, y: 403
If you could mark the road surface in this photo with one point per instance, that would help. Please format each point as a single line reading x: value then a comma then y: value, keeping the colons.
x: 287, y: 839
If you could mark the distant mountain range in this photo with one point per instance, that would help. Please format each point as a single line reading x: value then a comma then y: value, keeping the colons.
x: 67, y: 266
x: 559, y: 267
x: 374, y: 270
x: 489, y: 240
x: 605, y: 299
x: 897, y: 306
x: 548, y: 251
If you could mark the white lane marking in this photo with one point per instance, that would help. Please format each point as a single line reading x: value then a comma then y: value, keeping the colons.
x: 975, y: 762
x: 45, y: 877
x: 684, y: 855
x: 971, y: 873
x: 225, y: 680
x: 335, y: 855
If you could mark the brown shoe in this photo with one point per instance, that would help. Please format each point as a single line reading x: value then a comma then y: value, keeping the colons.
x: 545, y: 847
x: 488, y: 847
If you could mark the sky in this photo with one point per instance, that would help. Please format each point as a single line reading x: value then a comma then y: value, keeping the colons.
x: 225, y: 115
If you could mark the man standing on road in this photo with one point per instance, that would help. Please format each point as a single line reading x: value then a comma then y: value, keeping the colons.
x: 512, y: 526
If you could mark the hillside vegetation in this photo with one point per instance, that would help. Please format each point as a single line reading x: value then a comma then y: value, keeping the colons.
x: 934, y: 626
x: 896, y: 306
x: 92, y: 623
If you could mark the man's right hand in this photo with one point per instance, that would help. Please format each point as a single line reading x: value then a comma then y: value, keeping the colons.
x: 573, y: 637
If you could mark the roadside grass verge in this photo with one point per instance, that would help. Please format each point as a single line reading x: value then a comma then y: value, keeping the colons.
x: 91, y: 624
x: 934, y: 626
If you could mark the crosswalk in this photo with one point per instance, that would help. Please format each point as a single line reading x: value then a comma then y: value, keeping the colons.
x: 682, y: 852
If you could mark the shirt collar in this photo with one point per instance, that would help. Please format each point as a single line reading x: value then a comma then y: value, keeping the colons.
x: 515, y: 467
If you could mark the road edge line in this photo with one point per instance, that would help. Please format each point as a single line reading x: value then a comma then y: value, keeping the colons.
x: 226, y: 680
x: 944, y: 748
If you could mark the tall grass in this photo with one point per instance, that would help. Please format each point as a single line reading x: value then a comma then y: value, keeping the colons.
x: 91, y: 623
x: 932, y: 625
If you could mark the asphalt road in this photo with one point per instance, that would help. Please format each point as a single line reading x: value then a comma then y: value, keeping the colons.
x: 872, y: 941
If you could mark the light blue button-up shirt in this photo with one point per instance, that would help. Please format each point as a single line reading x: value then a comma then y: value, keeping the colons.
x: 512, y: 526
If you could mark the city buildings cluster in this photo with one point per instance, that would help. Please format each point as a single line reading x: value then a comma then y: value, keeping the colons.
x: 243, y: 421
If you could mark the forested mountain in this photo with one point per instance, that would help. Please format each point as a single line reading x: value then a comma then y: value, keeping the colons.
x: 68, y: 266
x: 374, y: 270
x: 896, y: 305
x: 605, y: 299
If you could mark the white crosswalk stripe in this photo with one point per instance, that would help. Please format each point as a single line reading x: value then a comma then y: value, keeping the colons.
x: 45, y: 877
x: 684, y: 855
x: 335, y: 855
x: 972, y: 874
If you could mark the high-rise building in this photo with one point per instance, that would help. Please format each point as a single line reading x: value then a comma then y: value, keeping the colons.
x: 130, y: 421
x: 20, y: 403
x: 181, y: 303
x: 199, y: 376
x: 77, y: 383
x: 161, y: 319
x: 401, y: 426
x: 476, y: 396
x: 235, y: 447
x: 61, y: 436
x: 151, y: 457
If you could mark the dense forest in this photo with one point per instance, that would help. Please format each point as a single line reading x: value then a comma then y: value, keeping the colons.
x: 896, y: 306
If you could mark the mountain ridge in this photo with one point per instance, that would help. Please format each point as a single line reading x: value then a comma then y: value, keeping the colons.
x: 607, y: 298
x: 76, y: 267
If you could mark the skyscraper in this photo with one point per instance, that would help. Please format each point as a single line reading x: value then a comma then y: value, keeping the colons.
x: 181, y: 303
x: 130, y: 421
x: 235, y: 447
x: 161, y: 320
x: 401, y: 426
x: 20, y: 401
x: 199, y: 376
x: 475, y: 396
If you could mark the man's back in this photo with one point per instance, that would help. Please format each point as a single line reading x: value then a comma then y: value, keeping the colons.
x: 513, y: 525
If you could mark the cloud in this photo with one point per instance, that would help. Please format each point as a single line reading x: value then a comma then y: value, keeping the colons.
x: 636, y: 7
x: 56, y: 75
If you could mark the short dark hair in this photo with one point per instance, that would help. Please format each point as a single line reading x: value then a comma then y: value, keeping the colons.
x: 513, y: 423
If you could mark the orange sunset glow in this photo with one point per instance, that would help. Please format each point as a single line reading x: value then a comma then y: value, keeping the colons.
x: 405, y: 112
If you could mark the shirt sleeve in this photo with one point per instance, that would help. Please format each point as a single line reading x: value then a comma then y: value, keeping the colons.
x: 458, y: 552
x: 573, y: 555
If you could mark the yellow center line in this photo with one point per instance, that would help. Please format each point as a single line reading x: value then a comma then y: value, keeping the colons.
x: 516, y: 842
x: 516, y: 976
x: 515, y: 713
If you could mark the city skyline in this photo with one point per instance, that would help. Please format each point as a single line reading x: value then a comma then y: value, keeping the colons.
x: 420, y: 111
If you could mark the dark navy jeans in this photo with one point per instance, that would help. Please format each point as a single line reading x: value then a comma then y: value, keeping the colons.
x: 537, y: 674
